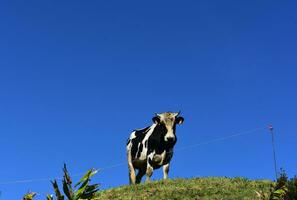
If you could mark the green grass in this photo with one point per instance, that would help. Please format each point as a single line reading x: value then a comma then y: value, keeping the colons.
x: 213, y: 188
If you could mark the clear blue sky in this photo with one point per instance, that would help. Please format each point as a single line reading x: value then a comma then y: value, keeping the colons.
x: 76, y: 77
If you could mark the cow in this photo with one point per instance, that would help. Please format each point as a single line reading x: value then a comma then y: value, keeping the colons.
x: 152, y: 147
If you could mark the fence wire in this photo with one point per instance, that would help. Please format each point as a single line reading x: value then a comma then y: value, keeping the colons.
x: 124, y: 163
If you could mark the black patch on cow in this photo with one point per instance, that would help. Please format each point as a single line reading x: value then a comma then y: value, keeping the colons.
x: 139, y: 150
x: 145, y: 144
x: 140, y: 134
x: 157, y: 143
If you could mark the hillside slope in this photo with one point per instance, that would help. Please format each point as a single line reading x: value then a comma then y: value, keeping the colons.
x: 198, y: 188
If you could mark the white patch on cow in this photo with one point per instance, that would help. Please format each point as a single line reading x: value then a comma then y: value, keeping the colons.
x: 163, y: 156
x: 132, y: 136
x: 138, y: 149
x: 143, y: 154
x: 129, y: 146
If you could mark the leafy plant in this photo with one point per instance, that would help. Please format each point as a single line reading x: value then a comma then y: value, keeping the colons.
x: 81, y: 190
x: 292, y: 188
x: 29, y: 196
x: 285, y: 189
x: 279, y: 194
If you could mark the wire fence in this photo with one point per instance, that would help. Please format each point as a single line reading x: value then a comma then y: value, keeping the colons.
x: 116, y: 165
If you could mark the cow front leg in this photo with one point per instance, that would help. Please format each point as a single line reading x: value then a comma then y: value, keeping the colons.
x: 149, y: 167
x: 165, y: 171
x: 149, y: 172
x: 140, y: 174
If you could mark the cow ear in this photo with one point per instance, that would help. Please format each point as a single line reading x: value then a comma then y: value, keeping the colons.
x: 180, y: 120
x: 156, y: 120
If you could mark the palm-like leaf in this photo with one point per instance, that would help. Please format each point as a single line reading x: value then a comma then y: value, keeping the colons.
x: 84, y: 191
x: 90, y: 191
x: 87, y: 176
x: 57, y: 190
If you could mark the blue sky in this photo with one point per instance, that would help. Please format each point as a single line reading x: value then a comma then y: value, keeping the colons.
x: 77, y: 77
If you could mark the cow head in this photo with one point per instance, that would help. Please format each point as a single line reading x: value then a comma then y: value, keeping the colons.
x: 167, y: 122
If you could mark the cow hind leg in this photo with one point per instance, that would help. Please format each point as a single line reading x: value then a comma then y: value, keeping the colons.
x: 132, y: 176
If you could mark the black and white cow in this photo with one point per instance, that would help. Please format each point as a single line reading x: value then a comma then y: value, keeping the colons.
x: 152, y: 147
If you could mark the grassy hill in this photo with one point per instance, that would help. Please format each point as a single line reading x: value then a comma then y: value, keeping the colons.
x: 214, y: 188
